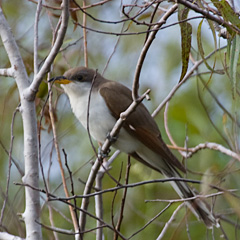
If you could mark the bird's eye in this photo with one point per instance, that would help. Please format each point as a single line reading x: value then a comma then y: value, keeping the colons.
x: 80, y: 78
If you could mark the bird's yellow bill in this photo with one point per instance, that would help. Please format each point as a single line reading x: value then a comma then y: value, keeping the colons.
x: 62, y: 81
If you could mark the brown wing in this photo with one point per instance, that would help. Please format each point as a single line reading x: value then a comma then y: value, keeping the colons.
x: 140, y: 123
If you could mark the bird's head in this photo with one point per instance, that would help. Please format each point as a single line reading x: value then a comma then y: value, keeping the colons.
x: 77, y: 74
x: 78, y: 80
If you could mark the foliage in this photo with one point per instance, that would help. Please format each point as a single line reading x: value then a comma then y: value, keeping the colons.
x: 195, y: 51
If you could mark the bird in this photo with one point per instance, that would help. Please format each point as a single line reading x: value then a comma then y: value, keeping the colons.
x: 139, y: 136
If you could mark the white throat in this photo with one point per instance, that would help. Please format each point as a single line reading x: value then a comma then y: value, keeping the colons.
x: 101, y: 121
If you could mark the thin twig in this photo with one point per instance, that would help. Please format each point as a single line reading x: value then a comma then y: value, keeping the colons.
x: 104, y: 149
x: 33, y: 88
x: 99, y: 202
x: 120, y: 218
x: 71, y: 209
x: 9, y: 167
x: 72, y: 186
x: 67, y: 232
x: 85, y: 35
x: 50, y: 210
x: 191, y: 198
x: 72, y: 9
x: 208, y: 15
x: 210, y: 119
x: 146, y: 47
x: 113, y: 202
x: 168, y: 132
x: 71, y: 205
x: 114, y: 50
x: 218, y: 102
x: 21, y: 172
x: 179, y: 84
x: 149, y: 222
x: 35, y: 51
x: 39, y: 144
x: 171, y: 219
x: 132, y: 185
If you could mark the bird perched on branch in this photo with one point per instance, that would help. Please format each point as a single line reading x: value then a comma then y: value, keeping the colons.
x: 139, y: 137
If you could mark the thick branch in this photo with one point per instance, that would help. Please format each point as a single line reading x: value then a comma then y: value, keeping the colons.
x: 7, y: 236
x: 27, y: 109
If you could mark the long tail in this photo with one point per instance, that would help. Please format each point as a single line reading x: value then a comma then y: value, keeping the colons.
x: 198, y: 206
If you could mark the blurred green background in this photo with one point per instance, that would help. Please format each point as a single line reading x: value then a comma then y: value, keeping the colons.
x: 193, y: 114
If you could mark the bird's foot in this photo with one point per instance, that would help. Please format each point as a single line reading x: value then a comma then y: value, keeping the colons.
x: 111, y: 139
x: 102, y: 154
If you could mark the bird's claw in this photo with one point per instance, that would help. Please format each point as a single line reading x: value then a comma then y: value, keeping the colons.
x: 102, y: 154
x: 110, y: 138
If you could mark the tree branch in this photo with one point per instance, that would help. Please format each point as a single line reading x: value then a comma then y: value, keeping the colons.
x: 179, y: 84
x: 208, y: 15
x: 105, y: 147
x: 146, y: 47
x: 28, y: 111
x: 7, y: 72
x: 32, y: 90
x: 7, y: 236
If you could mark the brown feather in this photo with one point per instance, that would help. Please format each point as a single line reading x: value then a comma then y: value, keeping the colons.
x: 140, y: 123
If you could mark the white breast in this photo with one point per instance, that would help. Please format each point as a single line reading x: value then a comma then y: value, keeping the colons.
x: 101, y: 121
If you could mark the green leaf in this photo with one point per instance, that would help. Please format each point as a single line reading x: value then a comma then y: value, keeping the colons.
x: 234, y: 56
x: 200, y: 47
x: 228, y: 13
x: 186, y: 37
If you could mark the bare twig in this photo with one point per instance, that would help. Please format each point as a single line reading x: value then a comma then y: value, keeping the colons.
x: 50, y: 210
x: 13, y: 160
x: 113, y: 201
x: 32, y: 90
x: 73, y: 9
x: 87, y: 190
x: 113, y: 51
x: 211, y: 121
x: 120, y: 218
x: 149, y: 222
x: 146, y: 47
x: 217, y: 147
x: 188, y: 152
x: 218, y: 102
x: 190, y: 198
x: 140, y: 32
x: 168, y: 132
x: 37, y: 15
x: 67, y: 232
x: 132, y: 185
x: 72, y: 185
x: 99, y: 200
x: 71, y: 209
x: 179, y: 84
x: 171, y: 219
x: 208, y: 15
x: 39, y: 144
x: 9, y: 167
x: 85, y: 36
x: 104, y: 149
x: 70, y: 204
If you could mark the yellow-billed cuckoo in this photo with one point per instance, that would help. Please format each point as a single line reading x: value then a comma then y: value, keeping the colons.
x: 139, y: 137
